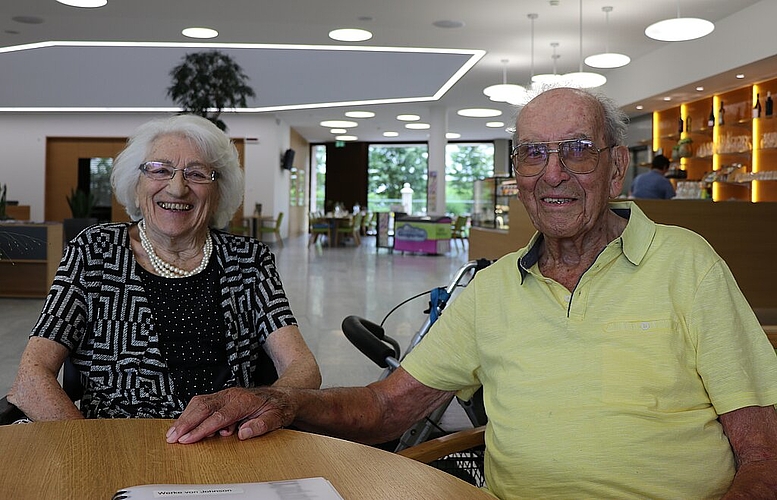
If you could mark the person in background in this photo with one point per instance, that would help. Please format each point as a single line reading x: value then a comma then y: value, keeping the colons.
x: 653, y: 183
x: 617, y: 356
x: 156, y: 311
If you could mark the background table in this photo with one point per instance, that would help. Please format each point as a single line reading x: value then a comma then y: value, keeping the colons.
x: 91, y: 459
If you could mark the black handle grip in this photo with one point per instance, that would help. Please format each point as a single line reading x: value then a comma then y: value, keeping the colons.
x: 370, y: 339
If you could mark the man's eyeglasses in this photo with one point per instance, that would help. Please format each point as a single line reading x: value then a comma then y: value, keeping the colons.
x: 161, y: 171
x: 578, y: 156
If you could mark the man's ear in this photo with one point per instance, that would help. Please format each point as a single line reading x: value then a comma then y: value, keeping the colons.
x: 620, y: 161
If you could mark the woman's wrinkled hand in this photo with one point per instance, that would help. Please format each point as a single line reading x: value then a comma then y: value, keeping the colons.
x: 252, y: 412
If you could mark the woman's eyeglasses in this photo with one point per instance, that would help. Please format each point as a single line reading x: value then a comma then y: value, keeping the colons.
x: 161, y: 171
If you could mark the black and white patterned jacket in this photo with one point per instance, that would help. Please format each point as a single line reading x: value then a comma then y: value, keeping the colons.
x: 98, y: 308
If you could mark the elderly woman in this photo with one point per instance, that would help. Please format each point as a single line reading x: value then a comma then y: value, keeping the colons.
x: 157, y: 311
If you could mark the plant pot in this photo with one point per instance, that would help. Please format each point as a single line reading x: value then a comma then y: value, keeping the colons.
x: 685, y: 151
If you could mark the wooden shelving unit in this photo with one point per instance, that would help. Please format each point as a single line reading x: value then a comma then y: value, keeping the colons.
x: 30, y: 257
x: 741, y: 145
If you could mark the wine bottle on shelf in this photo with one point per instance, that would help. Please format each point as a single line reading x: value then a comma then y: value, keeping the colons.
x: 680, y: 127
x: 769, y: 104
x: 711, y: 119
x: 688, y: 123
x: 721, y: 114
x: 757, y: 106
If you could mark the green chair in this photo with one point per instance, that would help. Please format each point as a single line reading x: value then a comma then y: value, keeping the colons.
x: 319, y: 226
x: 274, y: 229
x: 459, y: 230
x: 352, y: 229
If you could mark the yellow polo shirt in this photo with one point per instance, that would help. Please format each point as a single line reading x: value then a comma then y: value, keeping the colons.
x: 613, y: 390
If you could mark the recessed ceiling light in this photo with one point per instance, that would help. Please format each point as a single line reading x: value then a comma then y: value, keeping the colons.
x: 479, y: 112
x: 452, y: 135
x: 350, y: 35
x: 389, y: 133
x: 667, y: 98
x: 359, y: 114
x: 740, y: 76
x: 408, y: 118
x: 338, y: 124
x: 495, y: 124
x: 200, y: 33
x: 448, y: 23
x: 338, y: 131
x: 418, y: 126
x: 640, y: 106
x: 89, y: 4
x: 699, y: 88
x: 346, y: 138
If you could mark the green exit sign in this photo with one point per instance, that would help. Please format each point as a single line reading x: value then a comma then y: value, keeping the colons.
x: 339, y: 144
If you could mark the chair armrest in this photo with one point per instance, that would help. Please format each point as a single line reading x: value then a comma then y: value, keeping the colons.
x: 9, y: 413
x: 445, y: 445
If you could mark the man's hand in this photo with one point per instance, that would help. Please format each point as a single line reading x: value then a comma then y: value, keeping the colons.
x: 253, y: 411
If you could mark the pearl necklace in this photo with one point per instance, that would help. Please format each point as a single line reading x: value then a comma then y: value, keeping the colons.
x: 165, y: 269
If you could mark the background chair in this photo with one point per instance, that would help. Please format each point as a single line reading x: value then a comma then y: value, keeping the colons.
x: 459, y: 230
x: 352, y: 230
x: 274, y: 229
x: 319, y: 226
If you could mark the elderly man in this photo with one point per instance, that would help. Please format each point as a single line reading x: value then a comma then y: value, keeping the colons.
x: 618, y: 357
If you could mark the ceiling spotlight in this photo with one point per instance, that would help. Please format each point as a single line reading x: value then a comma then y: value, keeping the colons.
x: 679, y: 29
x: 452, y: 135
x: 418, y: 126
x: 338, y: 131
x: 667, y: 98
x: 740, y: 76
x: 338, y: 124
x: 408, y: 118
x: 350, y: 35
x: 200, y: 33
x: 359, y: 114
x: 699, y: 89
x: 389, y: 133
x: 495, y: 124
x: 479, y: 112
x: 346, y: 138
x: 640, y: 106
x: 88, y: 4
x: 607, y: 59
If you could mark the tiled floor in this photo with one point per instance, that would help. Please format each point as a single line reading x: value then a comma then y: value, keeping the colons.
x: 324, y: 285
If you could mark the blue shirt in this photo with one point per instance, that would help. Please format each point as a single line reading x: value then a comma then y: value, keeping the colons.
x: 652, y: 184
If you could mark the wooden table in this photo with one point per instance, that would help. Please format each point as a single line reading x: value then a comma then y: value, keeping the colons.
x: 91, y: 459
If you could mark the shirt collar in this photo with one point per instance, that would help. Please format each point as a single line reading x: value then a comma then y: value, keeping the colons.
x: 635, y: 239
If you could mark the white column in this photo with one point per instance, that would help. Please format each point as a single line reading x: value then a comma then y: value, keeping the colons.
x: 437, y: 142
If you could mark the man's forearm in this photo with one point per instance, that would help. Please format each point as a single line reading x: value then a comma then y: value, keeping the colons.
x: 754, y: 480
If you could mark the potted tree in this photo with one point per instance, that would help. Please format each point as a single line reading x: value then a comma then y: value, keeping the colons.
x: 206, y: 83
x: 81, y: 205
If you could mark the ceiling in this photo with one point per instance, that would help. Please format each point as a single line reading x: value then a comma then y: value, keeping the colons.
x: 293, y: 64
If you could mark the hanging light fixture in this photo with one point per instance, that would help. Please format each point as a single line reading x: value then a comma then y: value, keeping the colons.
x: 607, y: 59
x: 521, y: 98
x: 679, y: 29
x: 548, y: 78
x: 584, y: 79
x: 503, y: 92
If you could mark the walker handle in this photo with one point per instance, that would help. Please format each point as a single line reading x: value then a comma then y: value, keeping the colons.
x: 371, y: 340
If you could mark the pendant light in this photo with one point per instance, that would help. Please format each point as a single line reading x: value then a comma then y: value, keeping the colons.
x: 679, y: 29
x: 548, y: 78
x: 607, y: 59
x: 503, y: 92
x: 584, y: 79
x: 520, y: 99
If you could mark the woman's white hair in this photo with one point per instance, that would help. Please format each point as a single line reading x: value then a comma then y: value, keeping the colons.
x: 217, y: 151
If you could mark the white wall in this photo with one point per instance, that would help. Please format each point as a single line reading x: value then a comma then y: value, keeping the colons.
x: 23, y: 143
